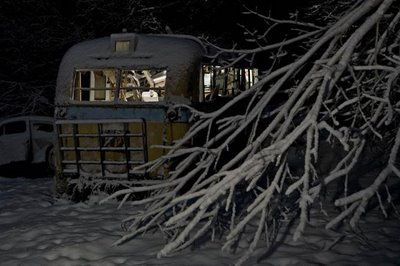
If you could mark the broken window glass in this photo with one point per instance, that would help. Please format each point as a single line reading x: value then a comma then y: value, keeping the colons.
x: 130, y: 85
x: 227, y: 82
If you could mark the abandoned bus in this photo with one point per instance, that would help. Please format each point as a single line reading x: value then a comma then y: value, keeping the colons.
x: 114, y: 97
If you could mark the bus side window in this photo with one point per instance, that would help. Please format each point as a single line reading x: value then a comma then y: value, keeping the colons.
x: 226, y: 82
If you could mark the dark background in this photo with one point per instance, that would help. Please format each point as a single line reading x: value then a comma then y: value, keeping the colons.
x: 35, y: 35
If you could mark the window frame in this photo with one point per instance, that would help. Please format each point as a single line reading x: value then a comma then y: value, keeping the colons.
x: 118, y: 86
x: 220, y: 81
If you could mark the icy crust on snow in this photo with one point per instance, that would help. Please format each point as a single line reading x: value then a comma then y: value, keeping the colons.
x: 36, y: 229
x: 176, y: 53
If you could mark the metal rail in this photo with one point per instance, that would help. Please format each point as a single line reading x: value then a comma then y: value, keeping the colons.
x: 108, y: 144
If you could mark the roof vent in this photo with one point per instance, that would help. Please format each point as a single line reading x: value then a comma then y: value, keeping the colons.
x: 124, y: 42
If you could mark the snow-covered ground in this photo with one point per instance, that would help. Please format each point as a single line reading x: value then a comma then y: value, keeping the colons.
x: 36, y: 229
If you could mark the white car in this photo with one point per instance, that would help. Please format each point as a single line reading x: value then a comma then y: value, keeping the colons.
x: 27, y: 140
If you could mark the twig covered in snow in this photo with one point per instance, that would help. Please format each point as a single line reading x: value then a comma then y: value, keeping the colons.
x: 338, y: 92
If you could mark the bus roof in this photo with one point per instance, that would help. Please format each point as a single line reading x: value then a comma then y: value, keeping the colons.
x: 176, y: 53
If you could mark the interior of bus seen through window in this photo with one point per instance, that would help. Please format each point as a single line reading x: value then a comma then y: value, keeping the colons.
x: 126, y: 85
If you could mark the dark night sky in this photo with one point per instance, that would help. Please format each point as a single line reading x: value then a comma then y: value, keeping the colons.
x: 36, y: 34
x: 33, y: 29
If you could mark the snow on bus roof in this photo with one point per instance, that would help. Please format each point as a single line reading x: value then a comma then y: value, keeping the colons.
x: 176, y: 53
x: 157, y: 49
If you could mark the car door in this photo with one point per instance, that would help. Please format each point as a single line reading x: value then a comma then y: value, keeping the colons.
x: 14, y: 142
x: 42, y: 140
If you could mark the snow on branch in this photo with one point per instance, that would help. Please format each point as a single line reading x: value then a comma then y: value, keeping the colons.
x: 268, y: 154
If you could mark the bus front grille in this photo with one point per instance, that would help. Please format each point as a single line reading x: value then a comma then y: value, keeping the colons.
x: 102, y: 148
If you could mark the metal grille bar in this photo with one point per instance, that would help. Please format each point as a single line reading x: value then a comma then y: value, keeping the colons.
x: 96, y: 147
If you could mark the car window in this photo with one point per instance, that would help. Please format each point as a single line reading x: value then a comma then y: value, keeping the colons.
x: 14, y: 127
x: 1, y: 130
x: 42, y: 127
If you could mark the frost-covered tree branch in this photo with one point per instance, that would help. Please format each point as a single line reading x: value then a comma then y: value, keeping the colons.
x: 22, y: 98
x: 268, y: 154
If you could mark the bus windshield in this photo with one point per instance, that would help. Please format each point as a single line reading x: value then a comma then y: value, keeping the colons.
x: 126, y: 85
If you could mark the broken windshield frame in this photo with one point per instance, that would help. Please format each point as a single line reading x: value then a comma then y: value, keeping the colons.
x: 131, y: 85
